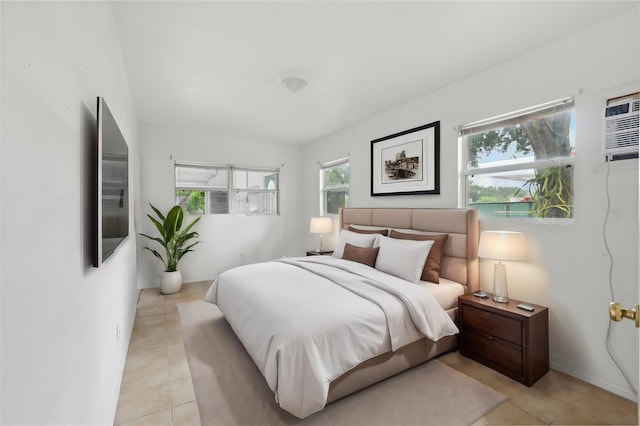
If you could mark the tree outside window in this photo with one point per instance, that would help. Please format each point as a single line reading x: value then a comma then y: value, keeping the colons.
x: 192, y: 201
x: 520, y: 164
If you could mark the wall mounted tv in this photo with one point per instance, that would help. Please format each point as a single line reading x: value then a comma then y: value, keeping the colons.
x: 113, y: 185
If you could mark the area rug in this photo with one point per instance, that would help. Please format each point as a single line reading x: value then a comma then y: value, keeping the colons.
x: 230, y: 390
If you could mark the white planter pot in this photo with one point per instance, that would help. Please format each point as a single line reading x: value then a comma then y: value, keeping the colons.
x: 170, y: 282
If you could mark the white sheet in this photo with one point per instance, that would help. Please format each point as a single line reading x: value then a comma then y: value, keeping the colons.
x: 303, y: 329
x: 446, y: 293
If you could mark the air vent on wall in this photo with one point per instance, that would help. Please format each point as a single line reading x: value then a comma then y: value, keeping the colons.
x: 621, y: 127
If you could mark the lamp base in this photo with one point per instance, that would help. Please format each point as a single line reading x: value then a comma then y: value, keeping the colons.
x: 500, y: 299
x: 500, y: 294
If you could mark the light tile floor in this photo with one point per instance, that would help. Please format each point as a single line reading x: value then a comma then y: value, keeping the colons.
x: 157, y: 389
x: 156, y: 385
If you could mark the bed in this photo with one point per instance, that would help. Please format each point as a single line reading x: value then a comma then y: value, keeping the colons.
x: 321, y: 328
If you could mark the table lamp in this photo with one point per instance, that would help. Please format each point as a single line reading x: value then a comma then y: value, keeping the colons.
x: 501, y: 245
x: 321, y: 225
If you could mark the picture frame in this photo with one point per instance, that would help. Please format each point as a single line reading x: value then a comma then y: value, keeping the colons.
x: 407, y: 163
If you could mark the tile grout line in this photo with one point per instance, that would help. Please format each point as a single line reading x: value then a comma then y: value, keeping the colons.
x: 166, y: 331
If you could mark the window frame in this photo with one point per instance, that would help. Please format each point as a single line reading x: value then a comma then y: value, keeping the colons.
x: 501, y: 121
x: 234, y: 191
x: 230, y: 189
x: 324, y: 191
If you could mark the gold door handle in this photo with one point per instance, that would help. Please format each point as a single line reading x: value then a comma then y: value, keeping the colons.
x: 617, y: 312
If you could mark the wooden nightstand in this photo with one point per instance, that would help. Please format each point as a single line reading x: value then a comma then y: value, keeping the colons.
x: 320, y: 253
x: 501, y: 336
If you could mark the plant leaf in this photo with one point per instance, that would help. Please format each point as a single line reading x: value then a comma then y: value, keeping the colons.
x: 179, y: 217
x: 158, y: 213
x: 159, y: 240
x: 158, y: 255
x: 171, y: 222
x: 191, y: 224
x: 158, y: 225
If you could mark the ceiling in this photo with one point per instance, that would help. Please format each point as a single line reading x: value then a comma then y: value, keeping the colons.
x: 212, y: 66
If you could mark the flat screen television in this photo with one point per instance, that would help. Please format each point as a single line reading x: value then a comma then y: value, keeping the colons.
x: 113, y: 185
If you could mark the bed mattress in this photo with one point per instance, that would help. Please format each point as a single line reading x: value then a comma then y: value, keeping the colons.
x: 446, y: 293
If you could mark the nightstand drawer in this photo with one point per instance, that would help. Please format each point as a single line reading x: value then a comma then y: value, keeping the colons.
x: 503, y: 355
x: 503, y: 327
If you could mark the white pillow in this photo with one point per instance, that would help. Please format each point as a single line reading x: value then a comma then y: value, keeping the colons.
x: 355, y: 239
x: 403, y: 258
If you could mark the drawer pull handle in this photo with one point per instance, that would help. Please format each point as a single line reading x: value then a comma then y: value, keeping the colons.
x: 489, y: 336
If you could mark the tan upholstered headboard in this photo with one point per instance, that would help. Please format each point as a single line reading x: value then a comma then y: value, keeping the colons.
x: 460, y: 255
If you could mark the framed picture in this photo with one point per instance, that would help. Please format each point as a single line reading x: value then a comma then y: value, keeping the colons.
x: 407, y: 162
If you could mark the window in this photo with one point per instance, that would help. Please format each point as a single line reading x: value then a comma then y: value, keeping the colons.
x: 334, y: 186
x: 205, y: 189
x: 255, y: 191
x: 521, y: 164
x: 202, y: 189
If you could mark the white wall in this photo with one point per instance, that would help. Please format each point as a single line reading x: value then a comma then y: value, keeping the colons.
x: 1, y: 206
x: 568, y: 268
x: 226, y: 240
x: 62, y: 358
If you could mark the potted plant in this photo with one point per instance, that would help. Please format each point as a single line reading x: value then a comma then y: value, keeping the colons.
x: 174, y: 241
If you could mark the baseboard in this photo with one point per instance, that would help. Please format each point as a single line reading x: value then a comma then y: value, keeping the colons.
x: 624, y: 392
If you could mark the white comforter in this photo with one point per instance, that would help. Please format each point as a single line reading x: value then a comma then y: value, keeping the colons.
x: 306, y: 321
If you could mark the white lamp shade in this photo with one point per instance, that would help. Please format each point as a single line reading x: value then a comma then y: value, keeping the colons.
x: 321, y: 225
x: 502, y: 245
